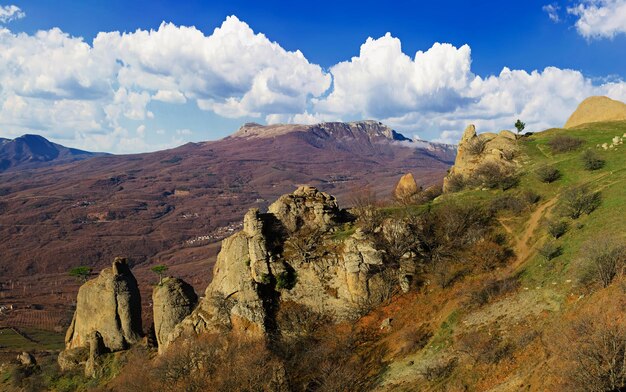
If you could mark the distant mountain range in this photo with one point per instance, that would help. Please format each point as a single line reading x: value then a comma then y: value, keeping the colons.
x: 32, y: 151
x: 165, y: 206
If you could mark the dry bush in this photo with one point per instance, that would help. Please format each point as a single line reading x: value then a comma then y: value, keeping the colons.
x: 548, y: 174
x: 476, y: 146
x: 492, y: 289
x: 596, y: 348
x: 591, y: 160
x: 304, y: 245
x: 493, y: 175
x: 557, y: 228
x: 550, y: 250
x: 579, y: 200
x: 455, y: 182
x: 414, y: 339
x: 564, y: 143
x: 440, y: 371
x: 366, y: 209
x: 488, y: 255
x: 515, y: 203
x: 486, y: 347
x: 606, y: 256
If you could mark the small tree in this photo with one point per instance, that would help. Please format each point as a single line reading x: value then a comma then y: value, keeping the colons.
x: 159, y: 270
x: 81, y: 273
x: 519, y: 125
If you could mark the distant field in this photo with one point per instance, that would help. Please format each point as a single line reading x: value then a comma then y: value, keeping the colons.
x: 30, y: 339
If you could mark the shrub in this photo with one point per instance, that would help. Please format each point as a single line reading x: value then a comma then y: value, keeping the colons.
x: 607, y: 258
x: 286, y: 280
x: 476, y: 146
x: 455, y: 182
x: 549, y: 250
x: 492, y: 289
x: 530, y: 197
x: 548, y: 174
x: 579, y: 200
x: 564, y: 143
x: 597, y: 348
x: 493, y: 175
x: 440, y: 371
x: 591, y: 160
x: 557, y: 228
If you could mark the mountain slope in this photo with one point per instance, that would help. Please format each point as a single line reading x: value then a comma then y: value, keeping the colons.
x: 32, y: 151
x: 167, y: 206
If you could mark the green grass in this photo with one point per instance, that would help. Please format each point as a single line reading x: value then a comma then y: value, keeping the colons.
x: 45, y: 340
x: 607, y: 220
x: 443, y: 337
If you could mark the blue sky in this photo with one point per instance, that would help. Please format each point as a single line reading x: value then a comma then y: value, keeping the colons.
x: 62, y: 76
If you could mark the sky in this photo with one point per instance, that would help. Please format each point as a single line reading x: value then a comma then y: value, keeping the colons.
x: 137, y: 76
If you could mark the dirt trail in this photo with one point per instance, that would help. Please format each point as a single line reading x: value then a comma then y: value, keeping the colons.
x: 522, y: 247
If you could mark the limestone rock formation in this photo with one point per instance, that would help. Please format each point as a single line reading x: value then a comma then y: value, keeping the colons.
x: 596, y: 109
x: 406, y: 187
x: 96, y: 349
x: 172, y: 301
x: 26, y: 359
x: 475, y: 150
x: 288, y: 255
x: 109, y: 304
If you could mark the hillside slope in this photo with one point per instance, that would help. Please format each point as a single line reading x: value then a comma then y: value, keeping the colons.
x: 597, y: 109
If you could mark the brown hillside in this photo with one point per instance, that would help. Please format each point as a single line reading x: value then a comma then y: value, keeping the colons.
x: 596, y: 109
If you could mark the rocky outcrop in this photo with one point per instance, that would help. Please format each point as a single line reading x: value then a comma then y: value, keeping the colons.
x: 406, y: 188
x: 96, y: 349
x: 109, y: 304
x: 26, y: 359
x: 289, y: 255
x: 597, y: 109
x: 476, y: 150
x: 172, y: 301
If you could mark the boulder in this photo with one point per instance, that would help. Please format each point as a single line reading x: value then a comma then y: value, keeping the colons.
x: 26, y: 359
x: 109, y: 304
x: 406, y: 187
x: 308, y: 207
x: 73, y: 358
x: 172, y: 301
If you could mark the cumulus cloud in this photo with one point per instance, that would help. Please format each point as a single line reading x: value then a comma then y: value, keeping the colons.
x: 103, y: 96
x: 553, y: 12
x: 600, y: 18
x: 10, y: 12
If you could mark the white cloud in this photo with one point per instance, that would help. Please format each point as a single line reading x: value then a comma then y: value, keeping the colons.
x: 600, y: 18
x: 103, y: 96
x: 553, y: 12
x: 9, y: 13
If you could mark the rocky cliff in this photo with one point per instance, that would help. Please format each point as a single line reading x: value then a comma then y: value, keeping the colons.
x: 475, y: 151
x: 291, y: 254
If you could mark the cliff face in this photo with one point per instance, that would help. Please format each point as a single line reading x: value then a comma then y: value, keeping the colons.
x: 290, y: 254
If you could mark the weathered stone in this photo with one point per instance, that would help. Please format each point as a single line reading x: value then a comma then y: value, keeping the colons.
x: 496, y: 148
x: 251, y: 279
x: 406, y: 187
x: 96, y: 349
x: 26, y: 359
x: 109, y: 304
x: 172, y: 301
x: 73, y: 358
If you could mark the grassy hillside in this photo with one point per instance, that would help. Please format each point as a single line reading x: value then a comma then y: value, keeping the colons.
x: 530, y: 337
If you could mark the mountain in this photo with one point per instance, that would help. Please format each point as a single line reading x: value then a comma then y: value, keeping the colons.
x: 32, y: 151
x: 173, y: 207
x: 597, y: 109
